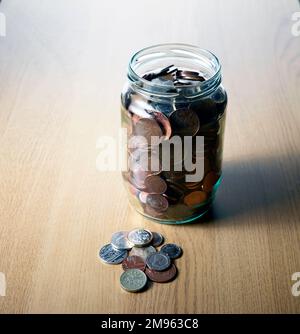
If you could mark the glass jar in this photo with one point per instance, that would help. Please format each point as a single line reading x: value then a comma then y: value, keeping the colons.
x: 173, y: 109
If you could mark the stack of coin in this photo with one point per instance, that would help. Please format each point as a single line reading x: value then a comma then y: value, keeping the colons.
x: 137, y: 251
x: 164, y: 194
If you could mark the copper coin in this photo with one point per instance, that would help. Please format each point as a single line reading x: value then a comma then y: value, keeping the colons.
x: 209, y: 181
x: 157, y: 202
x: 152, y: 212
x: 164, y: 122
x: 155, y: 185
x: 148, y: 128
x: 134, y: 262
x: 184, y: 122
x: 138, y: 164
x: 193, y: 185
x: 162, y: 276
x: 195, y: 198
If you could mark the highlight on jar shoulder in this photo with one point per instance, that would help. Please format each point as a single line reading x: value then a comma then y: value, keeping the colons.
x: 173, y: 108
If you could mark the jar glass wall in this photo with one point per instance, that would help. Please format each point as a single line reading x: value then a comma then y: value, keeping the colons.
x: 173, y: 108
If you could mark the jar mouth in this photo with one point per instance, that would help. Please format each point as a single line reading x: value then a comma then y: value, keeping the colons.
x: 183, y: 56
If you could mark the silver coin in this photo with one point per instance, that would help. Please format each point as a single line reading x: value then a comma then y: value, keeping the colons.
x: 120, y: 241
x: 111, y: 255
x: 133, y: 280
x: 140, y: 237
x: 158, y: 261
x: 157, y: 240
x: 172, y: 250
x: 142, y: 252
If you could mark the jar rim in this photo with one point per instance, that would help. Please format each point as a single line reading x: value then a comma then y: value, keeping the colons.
x: 194, y: 50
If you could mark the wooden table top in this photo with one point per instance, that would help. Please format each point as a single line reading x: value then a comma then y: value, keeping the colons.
x: 62, y: 67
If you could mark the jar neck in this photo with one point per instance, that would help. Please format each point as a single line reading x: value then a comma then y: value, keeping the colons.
x: 181, y: 56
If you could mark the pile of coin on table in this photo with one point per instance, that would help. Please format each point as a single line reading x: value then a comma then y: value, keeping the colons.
x: 165, y: 194
x: 136, y: 251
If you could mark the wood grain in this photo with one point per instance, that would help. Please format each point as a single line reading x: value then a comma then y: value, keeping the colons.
x: 62, y: 67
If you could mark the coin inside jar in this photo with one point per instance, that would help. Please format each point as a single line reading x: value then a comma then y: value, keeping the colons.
x: 164, y: 122
x: 145, y: 160
x: 137, y: 107
x: 143, y: 197
x: 209, y: 181
x: 137, y: 179
x: 195, y: 198
x: 133, y: 190
x: 174, y: 194
x: 193, y: 185
x: 162, y: 276
x: 174, y: 176
x: 157, y: 202
x: 137, y: 142
x: 147, y: 128
x: 155, y: 185
x: 134, y: 262
x: 140, y: 237
x: 152, y: 212
x: 189, y: 75
x: 184, y: 122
